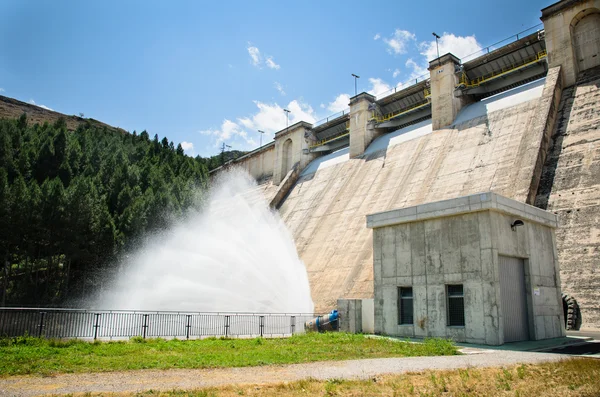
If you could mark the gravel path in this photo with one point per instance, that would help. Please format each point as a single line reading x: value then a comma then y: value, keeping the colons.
x: 136, y: 381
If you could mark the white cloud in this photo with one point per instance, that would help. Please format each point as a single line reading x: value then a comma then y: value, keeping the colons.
x: 232, y: 133
x: 377, y: 37
x: 322, y: 106
x: 255, y: 57
x: 460, y: 46
x: 31, y: 101
x: 416, y: 69
x: 396, y: 73
x: 339, y: 103
x: 1, y: 89
x: 279, y: 88
x: 188, y: 147
x: 271, y: 64
x: 269, y: 118
x: 378, y: 86
x: 398, y: 42
x: 259, y: 60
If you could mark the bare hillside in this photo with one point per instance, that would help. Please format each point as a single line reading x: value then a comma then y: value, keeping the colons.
x: 13, y: 108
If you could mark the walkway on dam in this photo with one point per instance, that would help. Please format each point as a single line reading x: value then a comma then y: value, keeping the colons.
x: 164, y: 380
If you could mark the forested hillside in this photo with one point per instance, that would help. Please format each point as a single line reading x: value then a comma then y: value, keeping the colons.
x: 72, y: 201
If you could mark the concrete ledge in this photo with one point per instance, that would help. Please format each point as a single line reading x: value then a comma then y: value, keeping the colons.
x: 285, y: 186
x: 489, y: 201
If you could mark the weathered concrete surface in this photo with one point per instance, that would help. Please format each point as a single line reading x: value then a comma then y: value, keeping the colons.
x: 285, y: 185
x: 445, y: 105
x: 289, y: 145
x: 459, y: 241
x: 356, y: 315
x: 570, y: 187
x: 259, y: 163
x: 561, y: 35
x: 326, y: 210
x: 534, y: 145
x: 360, y: 135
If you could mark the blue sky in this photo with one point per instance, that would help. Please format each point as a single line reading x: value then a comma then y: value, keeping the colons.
x: 204, y: 72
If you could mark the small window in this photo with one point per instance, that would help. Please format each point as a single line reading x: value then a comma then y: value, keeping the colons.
x: 456, y: 305
x: 405, y: 305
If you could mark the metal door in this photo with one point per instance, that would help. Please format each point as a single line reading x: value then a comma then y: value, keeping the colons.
x: 586, y: 38
x: 513, y: 298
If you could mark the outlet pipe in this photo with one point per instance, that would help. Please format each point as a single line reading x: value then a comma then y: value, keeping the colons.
x: 328, y: 322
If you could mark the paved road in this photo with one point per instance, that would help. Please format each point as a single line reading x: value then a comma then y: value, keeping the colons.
x: 587, y: 333
x: 137, y: 381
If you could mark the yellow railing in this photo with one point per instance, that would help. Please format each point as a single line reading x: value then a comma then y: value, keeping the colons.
x: 389, y: 116
x: 333, y: 138
x: 465, y: 82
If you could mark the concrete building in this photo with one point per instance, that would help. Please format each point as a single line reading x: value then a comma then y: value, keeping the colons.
x: 478, y: 269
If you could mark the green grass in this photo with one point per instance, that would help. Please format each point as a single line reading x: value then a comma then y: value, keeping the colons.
x: 26, y: 355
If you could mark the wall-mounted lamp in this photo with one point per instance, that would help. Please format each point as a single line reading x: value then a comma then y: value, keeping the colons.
x: 516, y: 224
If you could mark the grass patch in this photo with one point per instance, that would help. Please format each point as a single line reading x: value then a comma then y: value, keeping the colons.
x: 575, y: 377
x: 20, y: 356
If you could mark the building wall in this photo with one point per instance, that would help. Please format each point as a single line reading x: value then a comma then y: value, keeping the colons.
x: 463, y: 249
x: 260, y: 164
x: 283, y: 165
x: 356, y: 315
x: 559, y: 37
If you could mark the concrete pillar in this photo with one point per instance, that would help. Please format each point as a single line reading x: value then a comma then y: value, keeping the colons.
x: 559, y: 21
x: 360, y: 135
x: 444, y: 104
x: 289, y: 145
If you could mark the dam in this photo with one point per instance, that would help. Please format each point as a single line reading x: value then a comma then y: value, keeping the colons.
x: 521, y: 121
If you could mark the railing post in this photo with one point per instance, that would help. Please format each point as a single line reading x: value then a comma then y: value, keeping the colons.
x: 41, y: 325
x: 261, y: 321
x: 145, y: 326
x: 187, y: 327
x: 96, y: 324
x: 293, y: 324
x: 226, y: 326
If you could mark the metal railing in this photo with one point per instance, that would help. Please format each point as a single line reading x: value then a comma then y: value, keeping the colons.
x: 465, y: 82
x: 502, y: 43
x: 342, y: 134
x: 331, y: 117
x: 121, y: 324
x: 403, y: 111
x: 402, y: 86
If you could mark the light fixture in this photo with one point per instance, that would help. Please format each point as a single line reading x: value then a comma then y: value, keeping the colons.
x: 436, y: 44
x: 356, y: 77
x: 516, y: 224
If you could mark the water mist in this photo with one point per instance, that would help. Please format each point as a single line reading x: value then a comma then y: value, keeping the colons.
x: 234, y: 256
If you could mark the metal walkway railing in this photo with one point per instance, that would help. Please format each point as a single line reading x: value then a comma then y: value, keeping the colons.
x: 403, y: 111
x: 466, y: 83
x: 119, y: 324
x: 332, y: 138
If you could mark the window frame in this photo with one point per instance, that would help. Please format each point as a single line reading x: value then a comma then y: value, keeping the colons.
x: 401, y: 298
x: 454, y: 297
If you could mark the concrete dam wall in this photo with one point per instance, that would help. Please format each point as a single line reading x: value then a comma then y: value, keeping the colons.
x: 493, y: 145
x: 570, y: 188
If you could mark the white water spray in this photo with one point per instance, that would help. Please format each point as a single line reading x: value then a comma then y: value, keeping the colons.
x: 235, y: 256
